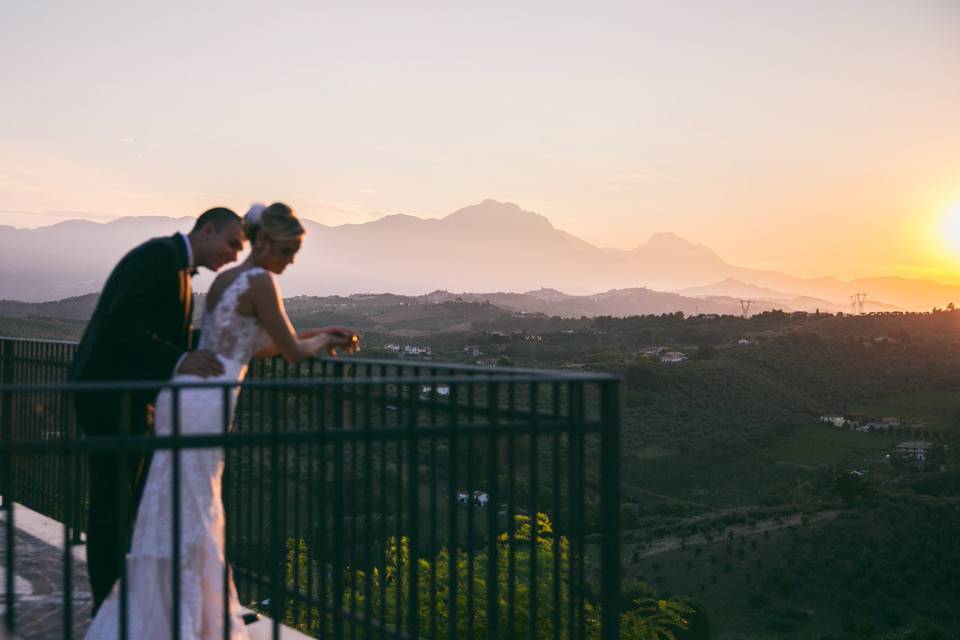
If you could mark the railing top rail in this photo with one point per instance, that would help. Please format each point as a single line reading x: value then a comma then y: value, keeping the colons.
x: 294, y: 383
x: 38, y: 340
x: 518, y: 374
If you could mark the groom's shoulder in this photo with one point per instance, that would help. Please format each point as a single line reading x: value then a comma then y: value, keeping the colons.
x: 153, y: 249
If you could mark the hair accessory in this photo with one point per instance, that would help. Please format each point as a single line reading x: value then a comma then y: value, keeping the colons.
x: 255, y: 213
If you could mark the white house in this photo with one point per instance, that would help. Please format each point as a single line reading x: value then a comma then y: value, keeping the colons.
x: 915, y: 449
x: 417, y: 351
x: 480, y: 498
x: 837, y: 421
x: 673, y: 356
x: 653, y: 352
x: 443, y: 390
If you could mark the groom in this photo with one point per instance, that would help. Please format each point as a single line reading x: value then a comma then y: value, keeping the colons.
x: 140, y: 330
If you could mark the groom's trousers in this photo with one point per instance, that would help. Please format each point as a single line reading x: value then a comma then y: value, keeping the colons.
x: 115, y: 488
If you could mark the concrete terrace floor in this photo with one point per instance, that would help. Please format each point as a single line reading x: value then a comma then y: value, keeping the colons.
x: 38, y: 583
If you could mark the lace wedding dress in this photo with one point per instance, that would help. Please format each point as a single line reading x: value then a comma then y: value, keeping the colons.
x: 234, y: 339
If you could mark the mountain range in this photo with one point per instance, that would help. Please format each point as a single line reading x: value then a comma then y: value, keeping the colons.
x: 490, y: 246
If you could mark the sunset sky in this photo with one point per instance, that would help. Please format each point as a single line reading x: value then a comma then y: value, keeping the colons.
x: 814, y: 138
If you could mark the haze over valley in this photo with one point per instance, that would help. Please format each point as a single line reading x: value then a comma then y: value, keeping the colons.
x: 492, y: 251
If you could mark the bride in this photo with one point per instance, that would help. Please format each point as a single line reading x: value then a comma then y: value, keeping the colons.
x: 244, y: 318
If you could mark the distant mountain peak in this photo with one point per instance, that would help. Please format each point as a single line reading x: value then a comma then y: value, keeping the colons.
x: 495, y: 212
x: 396, y: 219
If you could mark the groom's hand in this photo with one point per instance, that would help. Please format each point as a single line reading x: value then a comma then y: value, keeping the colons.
x: 201, y: 363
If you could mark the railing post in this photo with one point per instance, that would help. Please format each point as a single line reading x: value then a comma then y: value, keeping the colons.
x: 7, y: 480
x: 413, y: 517
x: 610, y: 510
x: 6, y: 415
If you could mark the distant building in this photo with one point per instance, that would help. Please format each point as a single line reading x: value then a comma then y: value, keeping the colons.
x: 414, y: 350
x: 673, y: 356
x: 837, y: 421
x: 653, y: 352
x: 480, y: 498
x: 915, y: 449
x: 442, y: 390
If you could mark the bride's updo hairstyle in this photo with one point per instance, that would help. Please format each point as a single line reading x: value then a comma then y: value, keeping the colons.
x: 278, y: 221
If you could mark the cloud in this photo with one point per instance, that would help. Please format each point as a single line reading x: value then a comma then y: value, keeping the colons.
x: 368, y: 190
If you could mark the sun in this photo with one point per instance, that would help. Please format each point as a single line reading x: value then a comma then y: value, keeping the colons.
x: 950, y: 229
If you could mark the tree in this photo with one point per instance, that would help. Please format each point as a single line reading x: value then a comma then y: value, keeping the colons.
x: 645, y: 616
x: 705, y: 352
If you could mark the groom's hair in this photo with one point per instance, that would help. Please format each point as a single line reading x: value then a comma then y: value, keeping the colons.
x: 219, y: 217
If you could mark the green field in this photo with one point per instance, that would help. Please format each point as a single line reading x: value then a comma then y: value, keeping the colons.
x: 822, y: 444
x: 937, y: 409
x: 42, y: 328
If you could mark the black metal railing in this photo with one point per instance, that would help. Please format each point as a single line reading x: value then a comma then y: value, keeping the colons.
x: 368, y: 498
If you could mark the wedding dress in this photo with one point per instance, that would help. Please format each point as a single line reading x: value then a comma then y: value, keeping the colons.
x: 234, y: 339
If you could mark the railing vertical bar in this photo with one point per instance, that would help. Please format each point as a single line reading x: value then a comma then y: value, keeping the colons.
x: 581, y: 511
x: 383, y: 483
x: 493, y: 563
x: 322, y: 506
x: 413, y: 524
x: 398, y: 511
x: 610, y: 508
x: 263, y: 452
x: 123, y: 519
x: 9, y: 488
x: 176, y: 499
x: 572, y: 541
x: 225, y: 487
x: 277, y: 544
x: 299, y: 557
x: 511, y: 516
x: 67, y: 493
x: 432, y: 535
x: 48, y: 398
x: 369, y: 563
x: 311, y: 469
x: 471, y: 499
x: 352, y: 502
x: 243, y: 462
x: 283, y: 489
x: 338, y: 507
x: 555, y: 468
x: 453, y: 544
x: 534, y: 581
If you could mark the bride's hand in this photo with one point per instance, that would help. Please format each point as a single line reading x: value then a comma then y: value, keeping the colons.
x: 342, y: 338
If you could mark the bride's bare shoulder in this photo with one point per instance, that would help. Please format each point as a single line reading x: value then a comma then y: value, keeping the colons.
x: 263, y: 283
x: 223, y: 280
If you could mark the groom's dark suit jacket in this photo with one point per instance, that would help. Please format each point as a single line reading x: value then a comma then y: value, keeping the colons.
x: 139, y: 329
